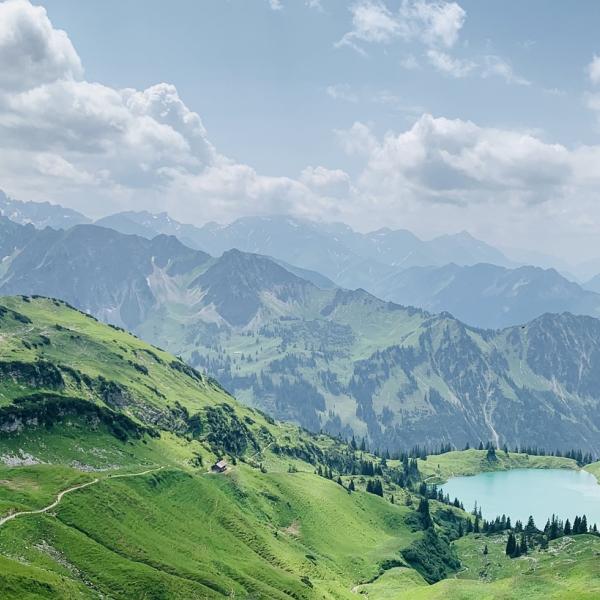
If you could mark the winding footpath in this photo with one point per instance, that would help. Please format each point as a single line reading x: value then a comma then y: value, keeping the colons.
x: 74, y: 488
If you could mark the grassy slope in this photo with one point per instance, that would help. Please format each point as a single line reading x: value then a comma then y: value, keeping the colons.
x: 439, y: 468
x: 183, y: 533
x: 569, y: 569
x: 179, y: 532
x: 594, y: 469
x: 245, y: 532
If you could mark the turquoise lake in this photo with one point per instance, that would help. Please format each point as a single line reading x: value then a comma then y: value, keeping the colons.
x: 522, y: 492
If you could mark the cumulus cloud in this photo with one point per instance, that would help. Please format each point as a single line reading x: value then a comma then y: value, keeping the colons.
x: 442, y: 173
x: 455, y: 161
x: 102, y: 148
x: 32, y: 52
x: 331, y: 182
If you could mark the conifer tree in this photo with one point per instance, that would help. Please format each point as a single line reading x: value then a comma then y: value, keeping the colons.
x: 511, y: 545
x: 425, y: 515
x: 567, y: 527
x: 523, y: 545
x: 351, y: 486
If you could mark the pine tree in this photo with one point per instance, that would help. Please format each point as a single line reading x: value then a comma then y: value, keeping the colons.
x: 425, y: 515
x: 523, y: 545
x: 511, y: 545
x: 567, y: 527
x: 351, y: 486
x: 583, y: 528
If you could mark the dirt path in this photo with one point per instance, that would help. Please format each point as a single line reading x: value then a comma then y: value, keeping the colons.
x: 74, y: 488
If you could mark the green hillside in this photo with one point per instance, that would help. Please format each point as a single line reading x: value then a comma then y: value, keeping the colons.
x: 83, y: 402
x: 114, y: 439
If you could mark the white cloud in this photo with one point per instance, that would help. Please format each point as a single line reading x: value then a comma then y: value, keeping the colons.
x: 449, y: 65
x: 100, y: 149
x: 453, y: 161
x: 432, y: 23
x: 506, y: 184
x: 32, y: 52
x: 332, y: 182
x: 372, y: 22
x: 437, y: 23
x: 495, y: 66
x: 593, y: 70
x: 275, y: 4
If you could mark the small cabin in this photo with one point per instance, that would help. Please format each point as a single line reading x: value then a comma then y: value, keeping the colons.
x: 220, y: 467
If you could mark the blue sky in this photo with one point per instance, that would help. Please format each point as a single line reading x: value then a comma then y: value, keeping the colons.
x: 259, y: 77
x: 435, y: 116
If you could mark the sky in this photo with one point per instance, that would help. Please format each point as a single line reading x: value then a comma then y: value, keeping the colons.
x: 435, y: 116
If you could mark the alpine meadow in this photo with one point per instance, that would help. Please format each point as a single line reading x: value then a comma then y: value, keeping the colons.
x: 299, y: 299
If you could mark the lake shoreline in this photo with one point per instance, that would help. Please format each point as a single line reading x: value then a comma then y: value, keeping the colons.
x: 438, y: 468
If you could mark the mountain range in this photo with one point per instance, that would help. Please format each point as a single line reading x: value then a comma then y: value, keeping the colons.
x: 40, y: 214
x: 333, y: 359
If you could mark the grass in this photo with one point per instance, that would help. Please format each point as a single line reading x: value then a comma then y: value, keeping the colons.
x: 273, y: 535
x: 440, y: 467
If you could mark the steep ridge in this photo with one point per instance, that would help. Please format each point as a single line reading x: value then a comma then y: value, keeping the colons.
x: 97, y: 269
